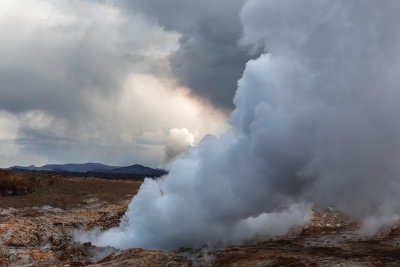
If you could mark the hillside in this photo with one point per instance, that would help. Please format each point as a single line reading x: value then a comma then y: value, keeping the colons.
x: 135, y: 171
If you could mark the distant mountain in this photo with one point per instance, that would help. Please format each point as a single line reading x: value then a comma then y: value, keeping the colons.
x: 76, y: 167
x: 71, y: 167
x: 138, y: 169
x: 95, y: 169
x: 32, y: 167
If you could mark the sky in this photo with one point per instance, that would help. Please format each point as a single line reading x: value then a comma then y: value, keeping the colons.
x: 116, y: 82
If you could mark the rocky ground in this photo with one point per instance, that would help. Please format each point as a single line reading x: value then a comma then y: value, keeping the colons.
x: 39, y: 214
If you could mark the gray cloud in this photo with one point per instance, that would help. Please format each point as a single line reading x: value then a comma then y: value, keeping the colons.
x: 82, y: 79
x: 55, y: 62
x: 210, y: 59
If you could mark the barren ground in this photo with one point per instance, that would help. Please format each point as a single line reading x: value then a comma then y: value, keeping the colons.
x: 38, y: 214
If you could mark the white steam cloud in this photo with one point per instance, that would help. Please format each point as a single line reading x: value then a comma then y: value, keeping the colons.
x: 178, y: 142
x: 316, y: 121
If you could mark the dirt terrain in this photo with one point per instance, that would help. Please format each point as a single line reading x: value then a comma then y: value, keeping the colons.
x: 39, y: 214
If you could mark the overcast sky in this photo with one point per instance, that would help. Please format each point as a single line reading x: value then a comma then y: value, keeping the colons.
x: 110, y: 81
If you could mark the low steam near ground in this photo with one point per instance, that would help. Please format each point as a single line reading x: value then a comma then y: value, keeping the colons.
x: 316, y: 121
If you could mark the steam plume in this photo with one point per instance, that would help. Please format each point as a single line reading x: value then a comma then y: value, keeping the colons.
x: 177, y: 143
x: 316, y: 121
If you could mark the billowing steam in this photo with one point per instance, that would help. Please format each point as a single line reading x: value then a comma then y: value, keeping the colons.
x: 316, y: 121
x: 177, y: 144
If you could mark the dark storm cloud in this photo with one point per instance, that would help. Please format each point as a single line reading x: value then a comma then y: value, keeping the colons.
x: 209, y: 60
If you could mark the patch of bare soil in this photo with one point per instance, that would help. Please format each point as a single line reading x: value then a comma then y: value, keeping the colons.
x: 13, y: 183
x: 24, y: 190
x: 39, y: 214
x: 38, y: 219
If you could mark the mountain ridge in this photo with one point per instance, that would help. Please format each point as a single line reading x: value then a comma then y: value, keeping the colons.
x: 88, y: 168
